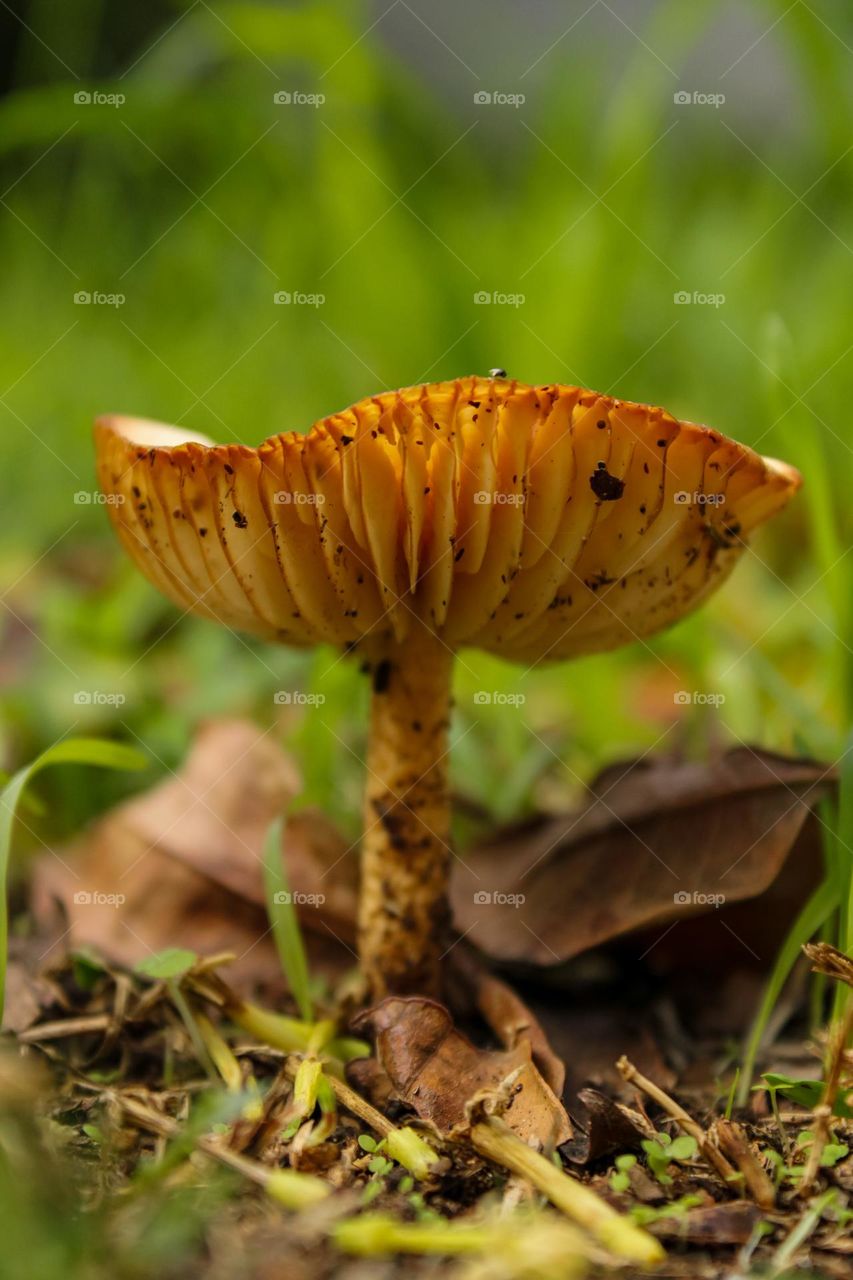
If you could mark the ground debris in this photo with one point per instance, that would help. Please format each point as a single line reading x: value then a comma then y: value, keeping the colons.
x: 118, y: 1112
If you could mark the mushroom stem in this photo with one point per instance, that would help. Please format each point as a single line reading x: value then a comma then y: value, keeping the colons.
x: 405, y: 853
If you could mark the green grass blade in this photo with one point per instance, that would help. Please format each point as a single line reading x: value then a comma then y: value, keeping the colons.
x: 823, y: 901
x: 284, y: 921
x: 844, y: 864
x: 94, y: 751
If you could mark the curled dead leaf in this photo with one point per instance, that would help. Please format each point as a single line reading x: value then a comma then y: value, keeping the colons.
x: 608, y: 1127
x: 436, y: 1070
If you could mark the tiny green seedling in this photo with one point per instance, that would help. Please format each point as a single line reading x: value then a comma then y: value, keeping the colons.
x: 380, y: 1167
x: 832, y: 1153
x: 662, y: 1150
x: 378, y: 1164
x: 620, y: 1180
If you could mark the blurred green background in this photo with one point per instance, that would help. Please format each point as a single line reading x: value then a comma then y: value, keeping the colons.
x: 572, y: 161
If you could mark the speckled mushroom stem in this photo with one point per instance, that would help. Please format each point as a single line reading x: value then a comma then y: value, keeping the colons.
x: 405, y: 854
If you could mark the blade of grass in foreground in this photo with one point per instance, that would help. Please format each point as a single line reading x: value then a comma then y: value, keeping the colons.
x: 284, y: 921
x: 844, y: 864
x: 816, y: 911
x: 94, y: 751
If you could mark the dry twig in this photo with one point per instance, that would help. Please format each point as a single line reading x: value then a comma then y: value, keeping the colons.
x: 733, y: 1142
x: 686, y: 1122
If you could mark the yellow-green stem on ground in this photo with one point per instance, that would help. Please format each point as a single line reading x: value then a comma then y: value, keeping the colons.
x: 495, y: 1140
x: 556, y: 1247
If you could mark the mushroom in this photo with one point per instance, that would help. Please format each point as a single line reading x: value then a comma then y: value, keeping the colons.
x: 537, y: 523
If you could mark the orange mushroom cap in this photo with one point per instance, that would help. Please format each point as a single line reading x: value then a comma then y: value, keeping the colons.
x: 537, y: 523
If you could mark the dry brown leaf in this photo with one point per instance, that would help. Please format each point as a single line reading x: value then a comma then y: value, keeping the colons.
x: 436, y: 1070
x: 608, y: 1127
x: 180, y: 865
x: 652, y: 830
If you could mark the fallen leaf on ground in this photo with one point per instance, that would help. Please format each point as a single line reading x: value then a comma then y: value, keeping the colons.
x: 182, y: 862
x: 436, y: 1070
x: 607, y: 1127
x: 659, y: 840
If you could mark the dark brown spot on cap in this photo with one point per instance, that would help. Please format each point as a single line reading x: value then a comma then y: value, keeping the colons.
x: 382, y: 676
x: 605, y: 486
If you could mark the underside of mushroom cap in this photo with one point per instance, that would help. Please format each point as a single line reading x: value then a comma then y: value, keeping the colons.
x: 537, y: 523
